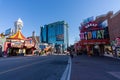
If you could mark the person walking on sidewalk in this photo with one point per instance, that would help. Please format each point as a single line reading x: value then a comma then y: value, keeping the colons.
x: 71, y: 53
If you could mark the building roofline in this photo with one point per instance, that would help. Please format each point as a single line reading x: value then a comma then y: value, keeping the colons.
x: 104, y: 15
x: 118, y: 12
x: 56, y: 22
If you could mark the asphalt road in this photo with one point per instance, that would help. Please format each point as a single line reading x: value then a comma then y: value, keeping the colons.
x: 95, y: 68
x: 33, y: 68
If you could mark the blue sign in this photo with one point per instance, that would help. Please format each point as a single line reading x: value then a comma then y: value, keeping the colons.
x: 8, y: 31
x: 60, y: 37
x: 104, y: 24
x: 90, y: 19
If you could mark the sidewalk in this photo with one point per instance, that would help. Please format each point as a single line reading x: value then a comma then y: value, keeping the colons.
x: 75, y: 71
x: 111, y: 56
x: 86, y: 68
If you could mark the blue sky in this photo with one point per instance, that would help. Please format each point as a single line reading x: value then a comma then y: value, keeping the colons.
x: 36, y: 13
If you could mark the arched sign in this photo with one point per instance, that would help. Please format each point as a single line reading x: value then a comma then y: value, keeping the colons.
x: 91, y: 24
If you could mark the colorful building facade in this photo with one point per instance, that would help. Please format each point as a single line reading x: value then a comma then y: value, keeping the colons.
x: 17, y: 44
x: 2, y: 41
x: 94, y: 36
x: 114, y: 29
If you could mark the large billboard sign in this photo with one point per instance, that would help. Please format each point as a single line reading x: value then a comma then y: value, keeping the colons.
x: 104, y: 24
x: 87, y: 20
x: 96, y: 34
x: 92, y: 31
x: 60, y: 37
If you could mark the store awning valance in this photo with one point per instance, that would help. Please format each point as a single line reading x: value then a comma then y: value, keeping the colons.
x: 18, y: 36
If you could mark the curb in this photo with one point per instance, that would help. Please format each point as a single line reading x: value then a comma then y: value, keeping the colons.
x: 112, y: 57
x: 67, y: 72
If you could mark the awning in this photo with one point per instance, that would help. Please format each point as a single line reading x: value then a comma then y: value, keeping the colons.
x: 18, y: 36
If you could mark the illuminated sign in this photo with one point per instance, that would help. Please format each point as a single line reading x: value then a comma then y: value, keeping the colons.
x: 99, y: 34
x: 93, y: 31
x: 91, y: 24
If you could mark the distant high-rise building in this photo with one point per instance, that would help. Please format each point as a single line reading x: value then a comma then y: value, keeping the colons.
x: 55, y: 33
x: 18, y: 25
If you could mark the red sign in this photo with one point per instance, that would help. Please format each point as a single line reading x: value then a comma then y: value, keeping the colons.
x: 103, y: 41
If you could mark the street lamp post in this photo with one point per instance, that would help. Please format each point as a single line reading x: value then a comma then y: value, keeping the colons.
x: 61, y: 48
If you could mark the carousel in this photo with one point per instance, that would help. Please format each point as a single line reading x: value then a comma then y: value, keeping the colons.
x: 15, y: 44
x: 18, y: 44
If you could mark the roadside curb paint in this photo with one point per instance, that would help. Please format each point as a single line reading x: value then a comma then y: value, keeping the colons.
x: 67, y: 72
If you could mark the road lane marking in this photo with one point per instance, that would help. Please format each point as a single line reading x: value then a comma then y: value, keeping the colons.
x: 115, y: 74
x: 67, y: 72
x: 13, y: 69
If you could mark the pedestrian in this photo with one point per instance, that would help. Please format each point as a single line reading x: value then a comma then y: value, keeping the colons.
x: 71, y: 54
